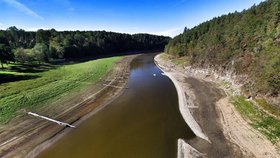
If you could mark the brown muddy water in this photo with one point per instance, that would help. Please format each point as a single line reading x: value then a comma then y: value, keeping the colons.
x: 144, y: 122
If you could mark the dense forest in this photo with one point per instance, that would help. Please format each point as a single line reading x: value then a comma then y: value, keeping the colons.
x: 45, y: 45
x: 247, y: 43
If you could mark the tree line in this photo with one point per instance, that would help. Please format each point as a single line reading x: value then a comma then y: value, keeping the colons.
x: 45, y: 45
x: 246, y: 42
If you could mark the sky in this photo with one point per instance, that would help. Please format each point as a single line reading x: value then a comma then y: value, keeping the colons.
x: 161, y: 17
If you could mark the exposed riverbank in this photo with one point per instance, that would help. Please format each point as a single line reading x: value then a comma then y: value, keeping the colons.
x: 143, y: 122
x: 24, y: 133
x: 230, y: 135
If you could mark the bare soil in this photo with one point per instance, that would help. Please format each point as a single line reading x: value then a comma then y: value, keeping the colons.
x: 206, y: 96
x: 252, y: 143
x: 229, y: 134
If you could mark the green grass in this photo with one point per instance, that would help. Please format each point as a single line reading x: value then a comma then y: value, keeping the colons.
x: 7, y: 72
x: 179, y: 61
x: 49, y: 85
x: 5, y: 66
x: 226, y: 84
x: 267, y: 125
x: 268, y: 107
x: 164, y: 56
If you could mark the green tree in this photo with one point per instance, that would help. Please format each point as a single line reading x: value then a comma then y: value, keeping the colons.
x: 42, y: 36
x: 20, y: 55
x: 5, y: 51
x: 41, y: 52
x: 246, y: 43
x: 5, y: 54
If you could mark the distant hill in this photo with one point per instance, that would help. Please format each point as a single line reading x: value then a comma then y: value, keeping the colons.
x: 245, y: 43
x: 44, y: 45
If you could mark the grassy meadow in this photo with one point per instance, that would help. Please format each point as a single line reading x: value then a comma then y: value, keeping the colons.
x: 31, y: 87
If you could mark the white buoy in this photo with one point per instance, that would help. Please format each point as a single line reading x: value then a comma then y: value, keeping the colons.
x: 154, y: 75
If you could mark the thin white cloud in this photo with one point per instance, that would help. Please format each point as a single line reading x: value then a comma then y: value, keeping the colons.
x: 171, y: 32
x: 22, y: 8
x: 37, y: 28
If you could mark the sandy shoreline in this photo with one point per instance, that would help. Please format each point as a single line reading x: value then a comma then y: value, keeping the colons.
x: 27, y: 136
x: 233, y: 131
x: 183, y: 103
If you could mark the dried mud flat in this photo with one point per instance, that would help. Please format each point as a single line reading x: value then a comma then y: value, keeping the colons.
x: 228, y: 133
x: 26, y: 136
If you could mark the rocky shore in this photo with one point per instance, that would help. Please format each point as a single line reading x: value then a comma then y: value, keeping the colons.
x: 228, y: 133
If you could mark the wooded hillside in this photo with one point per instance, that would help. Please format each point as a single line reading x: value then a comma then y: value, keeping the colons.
x: 44, y: 45
x: 245, y: 43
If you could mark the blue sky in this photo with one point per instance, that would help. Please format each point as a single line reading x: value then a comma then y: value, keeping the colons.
x: 163, y: 17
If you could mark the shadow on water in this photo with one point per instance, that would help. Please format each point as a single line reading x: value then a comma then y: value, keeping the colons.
x: 144, y: 122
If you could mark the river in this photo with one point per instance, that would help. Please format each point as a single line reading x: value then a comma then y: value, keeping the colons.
x: 144, y: 122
